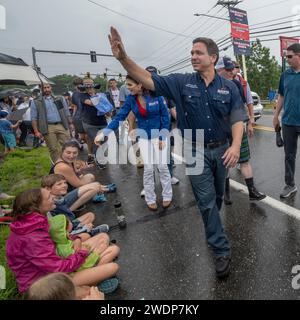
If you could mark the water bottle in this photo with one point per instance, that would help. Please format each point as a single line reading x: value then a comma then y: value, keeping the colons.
x: 120, y: 215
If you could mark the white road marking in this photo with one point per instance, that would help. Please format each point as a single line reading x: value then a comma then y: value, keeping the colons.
x: 275, y: 204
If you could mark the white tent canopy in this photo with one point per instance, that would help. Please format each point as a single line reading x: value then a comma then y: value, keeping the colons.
x: 16, y: 71
x: 26, y: 74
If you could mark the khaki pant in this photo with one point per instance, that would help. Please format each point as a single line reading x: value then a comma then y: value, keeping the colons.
x: 56, y: 137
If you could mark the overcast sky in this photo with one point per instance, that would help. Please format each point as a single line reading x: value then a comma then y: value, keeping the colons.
x: 79, y: 25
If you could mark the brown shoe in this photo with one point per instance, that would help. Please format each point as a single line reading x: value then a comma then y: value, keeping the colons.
x: 166, y: 204
x: 152, y: 206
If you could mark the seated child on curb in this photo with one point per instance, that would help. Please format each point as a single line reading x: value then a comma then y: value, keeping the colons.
x: 67, y: 244
x: 38, y: 257
x: 6, y: 130
x: 57, y: 186
x: 59, y: 286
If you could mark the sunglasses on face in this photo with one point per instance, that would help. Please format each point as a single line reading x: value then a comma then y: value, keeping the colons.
x: 290, y: 56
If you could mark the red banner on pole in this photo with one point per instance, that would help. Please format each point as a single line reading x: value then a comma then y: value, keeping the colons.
x: 285, y: 42
x: 240, y: 31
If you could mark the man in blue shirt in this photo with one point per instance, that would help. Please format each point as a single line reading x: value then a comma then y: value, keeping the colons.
x: 51, y: 120
x: 211, y: 103
x: 289, y: 100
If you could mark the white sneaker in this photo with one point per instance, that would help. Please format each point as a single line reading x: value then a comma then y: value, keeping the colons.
x: 143, y: 193
x: 174, y: 180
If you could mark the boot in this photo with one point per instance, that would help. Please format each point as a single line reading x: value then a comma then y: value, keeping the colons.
x: 227, y: 199
x: 254, y: 194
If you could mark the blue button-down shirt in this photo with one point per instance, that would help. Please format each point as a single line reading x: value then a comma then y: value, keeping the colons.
x: 289, y: 88
x: 51, y: 109
x: 214, y: 108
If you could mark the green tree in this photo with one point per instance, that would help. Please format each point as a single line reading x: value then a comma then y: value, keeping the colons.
x: 63, y: 83
x: 263, y: 70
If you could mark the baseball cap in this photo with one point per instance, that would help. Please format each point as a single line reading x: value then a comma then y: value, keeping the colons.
x: 226, y: 63
x: 152, y: 69
x: 3, y: 113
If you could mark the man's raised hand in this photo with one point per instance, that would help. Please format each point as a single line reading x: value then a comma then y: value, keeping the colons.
x: 116, y: 44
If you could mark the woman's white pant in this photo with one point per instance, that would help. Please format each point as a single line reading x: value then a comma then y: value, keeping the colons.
x: 152, y: 155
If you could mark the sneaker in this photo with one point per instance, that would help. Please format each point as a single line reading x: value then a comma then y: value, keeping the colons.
x: 143, y: 193
x: 174, y: 180
x: 152, y: 206
x: 109, y: 285
x: 111, y: 187
x: 103, y: 228
x: 166, y: 204
x: 98, y: 198
x: 254, y: 194
x: 222, y: 266
x: 288, y: 191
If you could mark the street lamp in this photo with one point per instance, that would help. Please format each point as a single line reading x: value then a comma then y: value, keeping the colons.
x: 207, y: 15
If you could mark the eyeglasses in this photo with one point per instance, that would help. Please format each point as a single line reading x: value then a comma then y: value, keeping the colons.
x: 290, y: 56
x: 237, y: 67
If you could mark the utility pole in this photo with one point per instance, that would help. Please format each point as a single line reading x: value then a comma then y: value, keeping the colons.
x: 227, y: 4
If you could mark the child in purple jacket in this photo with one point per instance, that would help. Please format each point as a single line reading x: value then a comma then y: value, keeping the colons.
x: 31, y: 253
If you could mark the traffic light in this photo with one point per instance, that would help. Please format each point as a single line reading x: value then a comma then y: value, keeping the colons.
x: 93, y: 56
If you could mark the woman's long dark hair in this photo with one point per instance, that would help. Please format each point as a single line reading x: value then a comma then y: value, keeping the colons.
x: 145, y: 91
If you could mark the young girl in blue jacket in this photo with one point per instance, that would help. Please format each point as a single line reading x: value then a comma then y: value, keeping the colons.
x: 152, y: 116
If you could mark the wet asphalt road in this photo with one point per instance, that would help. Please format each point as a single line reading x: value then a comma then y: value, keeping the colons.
x: 164, y: 255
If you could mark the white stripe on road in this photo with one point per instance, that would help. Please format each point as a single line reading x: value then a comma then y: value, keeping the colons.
x: 275, y: 204
x: 278, y: 205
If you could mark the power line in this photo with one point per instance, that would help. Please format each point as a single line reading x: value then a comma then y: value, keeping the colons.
x: 286, y: 17
x: 275, y: 34
x: 188, y: 59
x: 189, y: 64
x: 185, y: 59
x: 170, y: 41
x: 273, y: 39
x: 177, y: 47
x: 184, y: 43
x: 164, y: 45
x: 268, y: 5
x: 137, y: 21
x: 270, y: 30
x: 271, y: 25
x: 228, y: 41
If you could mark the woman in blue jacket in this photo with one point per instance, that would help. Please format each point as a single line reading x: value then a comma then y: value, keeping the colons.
x: 152, y: 116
